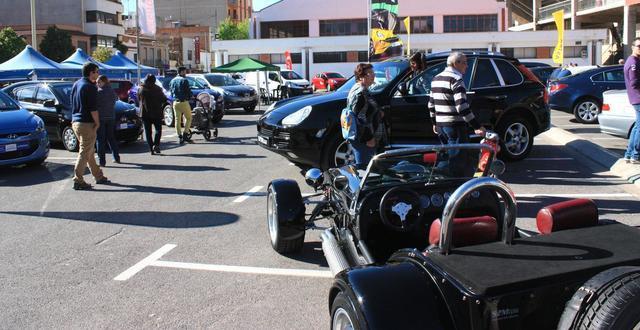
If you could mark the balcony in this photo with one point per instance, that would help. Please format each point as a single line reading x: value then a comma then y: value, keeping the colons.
x: 592, y: 4
x: 546, y: 12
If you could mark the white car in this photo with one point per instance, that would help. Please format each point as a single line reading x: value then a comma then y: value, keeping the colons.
x: 618, y: 115
x: 296, y: 85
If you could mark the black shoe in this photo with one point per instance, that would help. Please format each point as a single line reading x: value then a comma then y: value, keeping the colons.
x: 81, y: 186
x: 152, y: 153
x: 116, y: 160
x: 104, y: 180
x: 156, y: 149
x: 103, y: 163
x: 181, y: 140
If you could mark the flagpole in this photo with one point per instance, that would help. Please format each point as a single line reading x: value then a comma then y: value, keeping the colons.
x: 138, y: 40
x: 368, y: 30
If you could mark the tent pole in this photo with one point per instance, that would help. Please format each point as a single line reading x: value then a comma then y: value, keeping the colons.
x: 259, y: 93
x: 138, y: 40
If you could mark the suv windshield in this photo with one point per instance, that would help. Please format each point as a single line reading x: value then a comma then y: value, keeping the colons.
x: 290, y: 75
x: 429, y: 164
x: 221, y: 80
x: 6, y: 103
x: 385, y: 73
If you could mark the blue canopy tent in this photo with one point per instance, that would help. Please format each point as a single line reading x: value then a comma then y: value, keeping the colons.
x: 79, y: 58
x: 29, y: 64
x: 122, y: 62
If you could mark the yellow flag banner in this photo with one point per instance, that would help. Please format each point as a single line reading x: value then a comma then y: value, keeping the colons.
x: 406, y: 25
x: 558, y: 52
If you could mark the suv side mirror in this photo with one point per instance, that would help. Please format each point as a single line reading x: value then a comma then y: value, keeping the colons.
x: 402, y: 88
x: 49, y: 104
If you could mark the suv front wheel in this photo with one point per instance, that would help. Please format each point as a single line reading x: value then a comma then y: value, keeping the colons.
x: 516, y: 138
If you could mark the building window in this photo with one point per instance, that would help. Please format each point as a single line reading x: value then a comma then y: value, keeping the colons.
x: 284, y: 29
x: 102, y: 41
x: 189, y: 55
x: 418, y: 24
x: 329, y: 57
x: 83, y: 45
x: 94, y: 16
x: 470, y: 23
x: 363, y: 56
x: 343, y: 27
x: 542, y: 52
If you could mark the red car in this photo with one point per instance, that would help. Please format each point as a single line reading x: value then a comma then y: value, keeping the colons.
x: 327, y: 80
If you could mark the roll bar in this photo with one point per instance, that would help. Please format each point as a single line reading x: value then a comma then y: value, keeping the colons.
x: 458, y: 196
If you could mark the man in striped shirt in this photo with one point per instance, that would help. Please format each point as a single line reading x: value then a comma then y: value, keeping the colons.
x: 450, y: 112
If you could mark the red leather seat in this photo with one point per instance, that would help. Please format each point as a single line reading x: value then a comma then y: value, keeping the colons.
x: 575, y: 213
x: 429, y: 158
x: 467, y: 231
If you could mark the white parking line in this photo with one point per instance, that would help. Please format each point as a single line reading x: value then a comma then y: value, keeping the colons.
x: 152, y: 261
x: 127, y: 274
x: 248, y: 194
x: 607, y: 138
x: 612, y: 195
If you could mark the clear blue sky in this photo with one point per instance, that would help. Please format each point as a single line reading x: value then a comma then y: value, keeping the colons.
x: 130, y: 5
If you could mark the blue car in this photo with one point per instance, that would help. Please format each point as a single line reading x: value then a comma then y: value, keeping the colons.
x: 581, y: 93
x: 23, y: 138
x: 196, y: 88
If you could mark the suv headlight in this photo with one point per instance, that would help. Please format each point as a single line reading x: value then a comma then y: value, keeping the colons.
x: 297, y: 117
x: 229, y: 93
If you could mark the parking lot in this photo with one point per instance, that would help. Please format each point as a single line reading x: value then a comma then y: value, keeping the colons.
x: 180, y: 240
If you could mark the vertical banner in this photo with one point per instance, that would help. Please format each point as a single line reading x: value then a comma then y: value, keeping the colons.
x: 147, y: 17
x: 407, y: 25
x: 558, y: 52
x: 383, y: 42
x: 196, y: 46
x: 288, y: 64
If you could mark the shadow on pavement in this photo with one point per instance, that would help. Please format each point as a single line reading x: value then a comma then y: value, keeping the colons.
x: 171, y: 167
x: 32, y: 175
x: 222, y: 156
x: 164, y: 190
x: 311, y: 253
x: 144, y: 218
x: 246, y: 140
x: 235, y: 123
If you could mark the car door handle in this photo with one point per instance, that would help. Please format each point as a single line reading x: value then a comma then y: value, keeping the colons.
x: 497, y: 97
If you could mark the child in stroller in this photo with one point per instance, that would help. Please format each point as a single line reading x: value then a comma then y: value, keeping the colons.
x: 202, y: 115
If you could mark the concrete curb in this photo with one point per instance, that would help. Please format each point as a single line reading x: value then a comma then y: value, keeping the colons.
x: 598, y: 154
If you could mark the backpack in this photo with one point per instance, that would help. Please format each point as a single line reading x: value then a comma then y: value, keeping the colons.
x: 349, y: 125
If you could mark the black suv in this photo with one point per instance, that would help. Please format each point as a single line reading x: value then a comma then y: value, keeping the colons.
x: 50, y: 100
x: 503, y: 94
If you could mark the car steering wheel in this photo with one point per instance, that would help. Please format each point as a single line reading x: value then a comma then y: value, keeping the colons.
x: 400, y: 209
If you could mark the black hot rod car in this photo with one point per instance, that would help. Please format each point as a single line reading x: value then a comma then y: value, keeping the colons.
x: 415, y: 243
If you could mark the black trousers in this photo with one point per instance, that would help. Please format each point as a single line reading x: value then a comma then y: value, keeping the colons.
x: 157, y: 123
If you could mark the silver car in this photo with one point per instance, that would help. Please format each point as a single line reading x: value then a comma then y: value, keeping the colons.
x: 618, y: 115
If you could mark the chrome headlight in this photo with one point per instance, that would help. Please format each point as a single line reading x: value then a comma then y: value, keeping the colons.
x: 297, y: 117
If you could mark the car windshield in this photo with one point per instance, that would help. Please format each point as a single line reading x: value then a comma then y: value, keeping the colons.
x: 385, y: 72
x: 429, y: 164
x: 64, y: 92
x: 333, y: 75
x: 290, y: 75
x: 193, y: 83
x: 7, y: 104
x: 221, y: 80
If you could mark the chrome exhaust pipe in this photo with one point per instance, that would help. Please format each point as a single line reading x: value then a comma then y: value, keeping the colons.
x: 335, y: 258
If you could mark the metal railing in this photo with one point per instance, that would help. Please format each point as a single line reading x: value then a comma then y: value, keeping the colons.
x: 590, y: 4
x: 546, y: 12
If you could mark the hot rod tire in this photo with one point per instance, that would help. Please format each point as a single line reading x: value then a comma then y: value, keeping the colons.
x: 612, y: 302
x: 285, y: 216
x: 343, y: 313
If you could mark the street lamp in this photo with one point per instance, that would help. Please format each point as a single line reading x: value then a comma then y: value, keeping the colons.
x: 33, y: 25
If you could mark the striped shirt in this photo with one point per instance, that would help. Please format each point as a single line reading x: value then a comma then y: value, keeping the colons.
x: 448, y: 100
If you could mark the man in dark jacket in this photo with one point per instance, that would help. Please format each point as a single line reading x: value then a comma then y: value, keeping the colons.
x: 181, y: 93
x: 85, y: 122
x: 106, y: 103
x: 152, y: 101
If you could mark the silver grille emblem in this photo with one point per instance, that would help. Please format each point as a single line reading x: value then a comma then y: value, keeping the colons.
x: 12, y: 136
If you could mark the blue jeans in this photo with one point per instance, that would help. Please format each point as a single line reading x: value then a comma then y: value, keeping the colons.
x: 460, y: 163
x: 633, y: 148
x: 107, y: 136
x: 362, y: 154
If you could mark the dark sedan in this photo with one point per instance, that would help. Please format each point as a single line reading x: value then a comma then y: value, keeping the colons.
x: 504, y: 95
x: 236, y: 95
x: 581, y: 93
x: 50, y: 100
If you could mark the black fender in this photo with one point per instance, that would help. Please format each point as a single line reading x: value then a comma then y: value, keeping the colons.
x: 394, y: 296
x: 290, y: 207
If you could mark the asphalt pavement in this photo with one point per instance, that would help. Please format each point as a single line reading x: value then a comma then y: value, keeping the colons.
x: 180, y: 240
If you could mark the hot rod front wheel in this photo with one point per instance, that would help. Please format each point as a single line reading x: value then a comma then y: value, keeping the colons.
x: 343, y: 314
x: 285, y: 216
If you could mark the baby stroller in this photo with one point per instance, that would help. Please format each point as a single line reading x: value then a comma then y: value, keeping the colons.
x: 202, y: 115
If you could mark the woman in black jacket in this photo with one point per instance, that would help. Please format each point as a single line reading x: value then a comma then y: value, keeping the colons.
x: 152, y: 101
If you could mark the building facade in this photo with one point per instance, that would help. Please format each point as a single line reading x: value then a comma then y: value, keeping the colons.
x: 203, y: 12
x: 321, y: 38
x: 92, y: 23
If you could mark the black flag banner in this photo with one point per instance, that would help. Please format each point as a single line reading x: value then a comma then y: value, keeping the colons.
x: 383, y: 43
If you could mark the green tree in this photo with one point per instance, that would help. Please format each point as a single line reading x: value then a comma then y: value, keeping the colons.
x: 120, y: 46
x: 56, y: 44
x: 229, y: 30
x: 102, y: 54
x: 10, y: 44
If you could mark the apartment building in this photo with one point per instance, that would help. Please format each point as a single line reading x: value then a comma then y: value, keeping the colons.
x: 203, y: 12
x: 322, y: 38
x: 92, y: 23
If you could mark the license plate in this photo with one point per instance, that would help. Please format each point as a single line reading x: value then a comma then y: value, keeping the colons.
x: 124, y: 126
x: 10, y: 147
x: 263, y: 140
